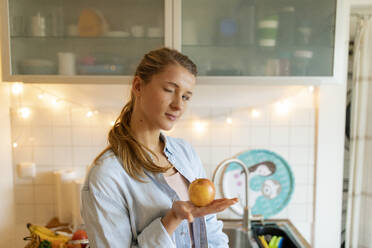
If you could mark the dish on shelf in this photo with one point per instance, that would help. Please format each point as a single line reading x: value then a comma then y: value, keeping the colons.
x: 154, y: 32
x: 101, y: 69
x: 37, y: 66
x: 92, y: 23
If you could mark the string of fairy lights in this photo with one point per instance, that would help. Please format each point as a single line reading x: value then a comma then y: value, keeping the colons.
x: 282, y: 107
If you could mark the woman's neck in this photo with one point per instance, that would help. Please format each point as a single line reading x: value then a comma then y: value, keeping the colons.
x: 145, y: 135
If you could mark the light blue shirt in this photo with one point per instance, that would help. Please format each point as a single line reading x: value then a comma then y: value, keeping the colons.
x: 119, y: 211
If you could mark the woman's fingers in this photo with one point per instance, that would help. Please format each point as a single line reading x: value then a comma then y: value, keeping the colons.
x: 186, y: 210
x: 215, y: 207
x: 222, y: 202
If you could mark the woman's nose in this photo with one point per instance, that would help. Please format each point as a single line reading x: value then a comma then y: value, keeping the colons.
x: 177, y: 103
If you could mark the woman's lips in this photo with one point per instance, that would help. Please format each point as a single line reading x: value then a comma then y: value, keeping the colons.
x: 171, y: 117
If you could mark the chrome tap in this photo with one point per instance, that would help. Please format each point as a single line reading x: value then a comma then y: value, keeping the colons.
x: 246, y: 216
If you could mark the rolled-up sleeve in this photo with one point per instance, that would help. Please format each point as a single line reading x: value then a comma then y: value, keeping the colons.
x: 108, y: 225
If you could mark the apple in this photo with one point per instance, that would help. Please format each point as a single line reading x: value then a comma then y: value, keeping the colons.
x: 80, y: 237
x: 201, y: 192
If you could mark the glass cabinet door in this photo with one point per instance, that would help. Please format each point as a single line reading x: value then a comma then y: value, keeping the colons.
x: 87, y: 37
x: 260, y: 38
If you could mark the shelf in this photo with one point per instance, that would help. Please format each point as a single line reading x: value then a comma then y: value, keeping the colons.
x: 82, y: 38
x: 274, y: 48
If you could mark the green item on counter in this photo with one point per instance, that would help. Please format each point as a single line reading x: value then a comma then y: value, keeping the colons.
x: 45, y: 244
x: 273, y: 242
x: 279, y: 242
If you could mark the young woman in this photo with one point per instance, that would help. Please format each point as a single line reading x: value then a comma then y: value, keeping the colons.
x: 135, y: 194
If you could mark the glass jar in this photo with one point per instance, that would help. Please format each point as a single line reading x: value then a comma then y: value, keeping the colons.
x: 301, y: 62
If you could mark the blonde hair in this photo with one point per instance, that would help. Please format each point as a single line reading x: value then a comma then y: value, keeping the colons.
x: 134, y: 156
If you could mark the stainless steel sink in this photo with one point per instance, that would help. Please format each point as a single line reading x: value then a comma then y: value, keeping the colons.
x: 238, y: 238
x: 272, y: 229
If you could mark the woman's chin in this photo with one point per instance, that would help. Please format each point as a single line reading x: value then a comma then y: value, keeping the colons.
x: 167, y: 126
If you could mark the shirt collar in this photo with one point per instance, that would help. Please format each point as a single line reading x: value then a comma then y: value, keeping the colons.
x: 167, y: 148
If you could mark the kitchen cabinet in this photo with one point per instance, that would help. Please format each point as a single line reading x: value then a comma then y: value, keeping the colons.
x: 237, y: 41
x: 266, y: 41
x: 80, y: 41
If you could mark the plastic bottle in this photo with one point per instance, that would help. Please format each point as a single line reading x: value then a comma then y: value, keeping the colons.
x: 286, y: 31
x: 247, y: 22
x: 302, y: 59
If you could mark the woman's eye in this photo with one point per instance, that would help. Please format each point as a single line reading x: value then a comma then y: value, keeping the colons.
x: 186, y: 98
x: 168, y: 90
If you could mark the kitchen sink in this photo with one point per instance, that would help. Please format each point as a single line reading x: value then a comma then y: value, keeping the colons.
x: 238, y: 238
x: 274, y: 230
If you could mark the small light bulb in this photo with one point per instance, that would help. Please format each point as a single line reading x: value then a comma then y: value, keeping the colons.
x: 17, y: 88
x: 15, y: 144
x: 25, y: 112
x: 311, y: 89
x: 282, y: 108
x: 228, y: 120
x: 199, y: 126
x: 55, y: 101
x: 255, y: 113
x: 41, y: 96
x: 89, y: 114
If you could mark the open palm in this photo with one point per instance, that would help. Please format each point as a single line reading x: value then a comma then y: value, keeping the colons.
x: 187, y: 210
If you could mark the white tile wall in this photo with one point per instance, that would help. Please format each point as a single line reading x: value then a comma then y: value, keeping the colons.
x: 66, y: 138
x: 279, y: 136
x: 43, y: 155
x: 25, y: 213
x: 241, y: 136
x: 24, y: 194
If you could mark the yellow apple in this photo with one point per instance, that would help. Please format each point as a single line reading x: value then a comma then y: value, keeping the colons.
x: 201, y: 192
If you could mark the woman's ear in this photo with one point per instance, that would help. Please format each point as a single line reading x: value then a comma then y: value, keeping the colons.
x: 137, y: 86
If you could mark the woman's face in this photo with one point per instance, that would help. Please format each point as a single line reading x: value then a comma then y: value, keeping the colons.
x: 164, y: 99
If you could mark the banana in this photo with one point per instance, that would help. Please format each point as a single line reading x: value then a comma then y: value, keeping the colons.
x: 47, y: 234
x: 34, y: 241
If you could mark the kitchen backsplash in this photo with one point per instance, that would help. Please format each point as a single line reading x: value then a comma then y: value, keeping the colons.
x: 61, y: 138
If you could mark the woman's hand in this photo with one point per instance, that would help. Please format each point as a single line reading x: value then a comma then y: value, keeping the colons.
x: 186, y: 210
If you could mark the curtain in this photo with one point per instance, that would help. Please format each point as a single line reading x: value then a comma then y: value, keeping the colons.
x: 359, y: 221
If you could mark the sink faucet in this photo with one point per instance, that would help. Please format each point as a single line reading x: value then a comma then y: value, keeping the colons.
x: 246, y: 216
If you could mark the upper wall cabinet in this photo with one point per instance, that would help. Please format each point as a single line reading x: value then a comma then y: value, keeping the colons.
x: 261, y: 41
x: 81, y: 41
x: 235, y: 41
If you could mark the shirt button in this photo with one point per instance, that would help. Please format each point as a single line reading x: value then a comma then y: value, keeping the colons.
x: 182, y: 233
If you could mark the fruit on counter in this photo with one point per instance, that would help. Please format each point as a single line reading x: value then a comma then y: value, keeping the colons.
x: 80, y: 237
x: 45, y: 244
x: 79, y: 234
x: 201, y: 192
x: 43, y: 233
